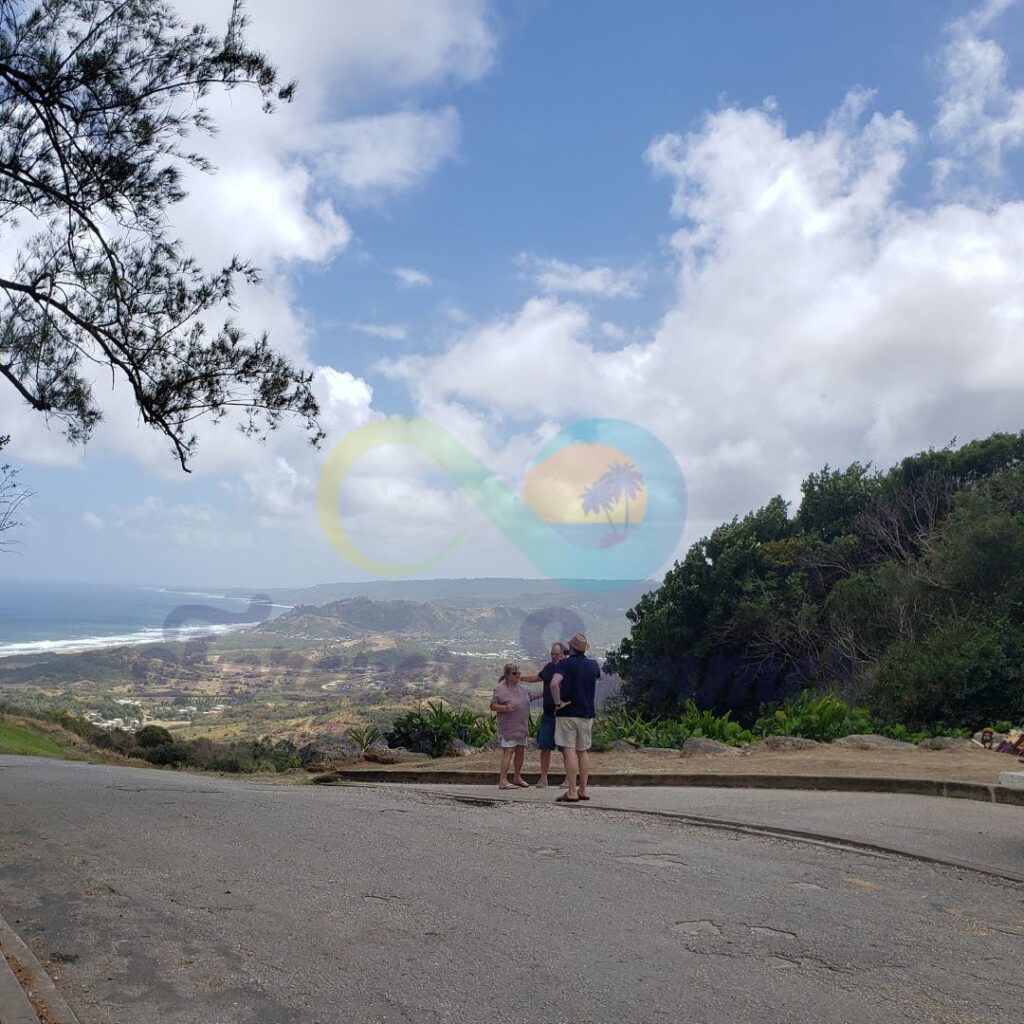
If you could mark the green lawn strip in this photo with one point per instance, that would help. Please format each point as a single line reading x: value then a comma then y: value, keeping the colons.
x: 14, y: 739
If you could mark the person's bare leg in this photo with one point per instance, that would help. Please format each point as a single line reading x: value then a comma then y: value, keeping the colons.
x: 517, y: 764
x: 584, y: 762
x: 571, y: 764
x: 506, y: 760
x: 545, y: 765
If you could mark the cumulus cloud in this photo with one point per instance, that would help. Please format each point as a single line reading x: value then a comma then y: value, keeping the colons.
x: 390, y: 332
x: 819, y: 316
x: 555, y: 276
x: 369, y: 157
x: 980, y: 116
x: 410, y: 277
x: 352, y: 134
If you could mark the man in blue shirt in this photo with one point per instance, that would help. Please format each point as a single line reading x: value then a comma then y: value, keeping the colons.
x: 573, y: 688
x: 546, y: 731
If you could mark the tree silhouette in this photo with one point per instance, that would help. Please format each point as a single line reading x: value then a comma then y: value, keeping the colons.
x: 622, y: 480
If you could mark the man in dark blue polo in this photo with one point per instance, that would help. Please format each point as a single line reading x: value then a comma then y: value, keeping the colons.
x: 546, y: 731
x: 573, y: 688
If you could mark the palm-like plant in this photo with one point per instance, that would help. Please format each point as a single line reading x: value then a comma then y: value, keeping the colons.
x: 621, y: 480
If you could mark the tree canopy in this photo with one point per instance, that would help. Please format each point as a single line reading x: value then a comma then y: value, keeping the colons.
x: 98, y: 99
x: 903, y: 588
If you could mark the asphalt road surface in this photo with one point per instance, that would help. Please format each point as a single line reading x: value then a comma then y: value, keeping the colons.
x: 163, y: 897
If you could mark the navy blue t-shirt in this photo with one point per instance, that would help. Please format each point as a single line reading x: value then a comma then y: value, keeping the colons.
x: 547, y: 673
x: 579, y: 683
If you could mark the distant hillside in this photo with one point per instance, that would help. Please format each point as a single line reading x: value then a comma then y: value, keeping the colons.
x: 531, y: 593
x: 359, y: 616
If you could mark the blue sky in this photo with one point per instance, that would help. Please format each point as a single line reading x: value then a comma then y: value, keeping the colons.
x: 773, y: 235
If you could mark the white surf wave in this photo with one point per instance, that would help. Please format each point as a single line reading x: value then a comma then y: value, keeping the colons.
x: 149, y: 635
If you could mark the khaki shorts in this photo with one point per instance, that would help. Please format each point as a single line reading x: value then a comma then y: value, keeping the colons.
x: 576, y: 733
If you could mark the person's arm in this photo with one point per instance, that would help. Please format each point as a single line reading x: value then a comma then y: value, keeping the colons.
x: 500, y: 707
x: 530, y: 679
x: 556, y: 694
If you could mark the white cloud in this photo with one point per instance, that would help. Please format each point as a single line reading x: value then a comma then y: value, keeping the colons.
x: 391, y: 332
x: 555, y: 276
x: 410, y: 277
x: 367, y: 157
x: 93, y: 521
x: 980, y: 117
x: 819, y: 317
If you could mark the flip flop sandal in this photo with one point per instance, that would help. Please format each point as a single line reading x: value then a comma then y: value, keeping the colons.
x: 582, y: 797
x: 506, y: 785
x: 521, y: 785
x: 566, y: 799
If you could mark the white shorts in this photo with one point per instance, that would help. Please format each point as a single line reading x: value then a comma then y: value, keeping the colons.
x: 506, y: 744
x: 575, y: 733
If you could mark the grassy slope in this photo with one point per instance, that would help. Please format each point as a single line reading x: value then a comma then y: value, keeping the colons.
x: 16, y: 739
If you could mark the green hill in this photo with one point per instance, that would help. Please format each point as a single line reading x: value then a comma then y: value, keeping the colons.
x: 17, y: 739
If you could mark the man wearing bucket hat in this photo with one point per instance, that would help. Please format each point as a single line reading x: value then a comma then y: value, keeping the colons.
x: 573, y: 689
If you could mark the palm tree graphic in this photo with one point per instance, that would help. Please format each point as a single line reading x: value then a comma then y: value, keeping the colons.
x: 621, y: 480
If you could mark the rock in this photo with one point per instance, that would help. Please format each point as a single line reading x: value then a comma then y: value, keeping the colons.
x: 324, y: 752
x: 379, y: 753
x: 459, y: 748
x: 779, y: 743
x: 697, y: 745
x: 945, y: 743
x: 402, y: 754
x: 659, y: 751
x: 871, y: 741
x: 621, y: 745
x: 492, y: 744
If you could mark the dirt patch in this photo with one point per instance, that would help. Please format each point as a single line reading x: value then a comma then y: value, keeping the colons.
x: 946, y: 765
x: 24, y: 977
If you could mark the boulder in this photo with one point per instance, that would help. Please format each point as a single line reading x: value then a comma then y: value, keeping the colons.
x: 945, y: 743
x: 402, y: 754
x: 459, y: 748
x: 782, y: 743
x: 492, y: 744
x: 659, y: 751
x: 379, y: 753
x: 621, y: 745
x: 324, y: 752
x: 697, y: 745
x: 871, y: 741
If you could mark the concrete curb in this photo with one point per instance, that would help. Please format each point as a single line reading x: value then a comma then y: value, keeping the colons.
x: 984, y: 792
x: 17, y: 1003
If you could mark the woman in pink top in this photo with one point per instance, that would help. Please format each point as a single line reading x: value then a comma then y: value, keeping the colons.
x: 511, y: 703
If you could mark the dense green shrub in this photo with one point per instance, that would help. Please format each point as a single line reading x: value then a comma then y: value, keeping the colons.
x: 968, y: 672
x: 431, y: 731
x: 153, y: 736
x: 815, y: 716
x: 658, y: 731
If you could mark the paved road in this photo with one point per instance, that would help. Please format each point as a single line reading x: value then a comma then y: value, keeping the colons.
x: 186, y: 900
x: 990, y: 836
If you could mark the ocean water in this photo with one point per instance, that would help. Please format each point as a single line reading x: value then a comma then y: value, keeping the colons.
x: 36, y: 618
